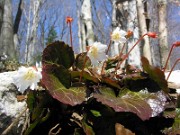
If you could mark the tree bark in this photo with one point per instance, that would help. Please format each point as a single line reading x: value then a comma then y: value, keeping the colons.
x: 6, y: 34
x: 146, y: 49
x: 82, y: 46
x: 114, y: 50
x: 16, y: 27
x: 163, y: 41
x: 1, y: 13
x: 152, y: 18
x: 18, y: 17
x: 87, y: 23
x: 132, y: 25
x: 33, y: 22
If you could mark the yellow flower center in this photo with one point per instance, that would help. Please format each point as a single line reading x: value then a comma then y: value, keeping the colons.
x: 116, y: 36
x: 29, y: 75
x: 94, y: 51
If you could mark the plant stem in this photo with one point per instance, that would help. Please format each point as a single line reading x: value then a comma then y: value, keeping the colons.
x: 103, y: 66
x: 126, y: 56
x: 173, y: 46
x: 109, y: 47
x: 70, y: 30
x: 173, y: 68
x: 121, y: 53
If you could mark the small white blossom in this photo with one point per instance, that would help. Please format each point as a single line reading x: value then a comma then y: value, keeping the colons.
x: 119, y: 36
x: 27, y: 77
x: 97, y: 53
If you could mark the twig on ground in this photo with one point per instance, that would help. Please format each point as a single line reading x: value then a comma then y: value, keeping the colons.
x: 9, y: 128
x: 53, y: 128
x: 26, y: 123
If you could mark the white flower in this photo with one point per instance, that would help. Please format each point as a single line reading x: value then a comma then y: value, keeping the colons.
x: 119, y: 36
x: 27, y: 77
x: 97, y: 53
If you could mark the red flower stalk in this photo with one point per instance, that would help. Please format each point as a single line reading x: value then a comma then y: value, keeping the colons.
x: 69, y: 21
x: 176, y: 44
x: 173, y: 68
x: 150, y: 34
x: 110, y: 42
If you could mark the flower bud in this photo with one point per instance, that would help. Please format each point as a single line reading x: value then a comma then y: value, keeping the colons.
x: 69, y: 19
x: 129, y: 34
x: 152, y: 34
x: 176, y: 44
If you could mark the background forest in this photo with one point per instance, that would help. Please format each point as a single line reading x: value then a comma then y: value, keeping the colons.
x: 27, y: 26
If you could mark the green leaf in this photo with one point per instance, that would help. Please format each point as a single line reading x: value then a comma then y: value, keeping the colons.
x: 58, y: 53
x: 31, y: 101
x: 85, y: 75
x: 38, y: 120
x: 95, y: 113
x: 141, y: 83
x: 80, y: 59
x: 87, y: 129
x: 126, y: 101
x: 52, y: 81
x: 175, y: 129
x: 155, y: 74
x: 178, y: 101
x: 110, y: 82
x: 111, y: 63
x: 38, y: 102
x: 60, y: 72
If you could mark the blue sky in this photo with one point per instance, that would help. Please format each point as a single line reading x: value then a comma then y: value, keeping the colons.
x: 63, y: 8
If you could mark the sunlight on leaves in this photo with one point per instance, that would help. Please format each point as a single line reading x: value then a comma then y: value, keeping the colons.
x: 71, y: 96
x: 126, y: 101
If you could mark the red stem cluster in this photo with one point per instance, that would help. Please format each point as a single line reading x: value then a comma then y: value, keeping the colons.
x: 176, y: 44
x: 150, y: 34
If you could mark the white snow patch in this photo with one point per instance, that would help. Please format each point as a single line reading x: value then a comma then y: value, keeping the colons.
x: 174, y: 78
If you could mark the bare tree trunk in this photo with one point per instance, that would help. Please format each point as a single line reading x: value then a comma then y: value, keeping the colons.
x: 87, y: 24
x: 42, y: 27
x: 146, y: 50
x: 6, y: 37
x: 163, y: 42
x: 16, y: 27
x: 82, y: 47
x: 18, y: 17
x: 28, y: 31
x: 152, y: 18
x: 1, y: 13
x: 98, y: 25
x: 33, y: 22
x: 114, y: 50
x: 132, y: 25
